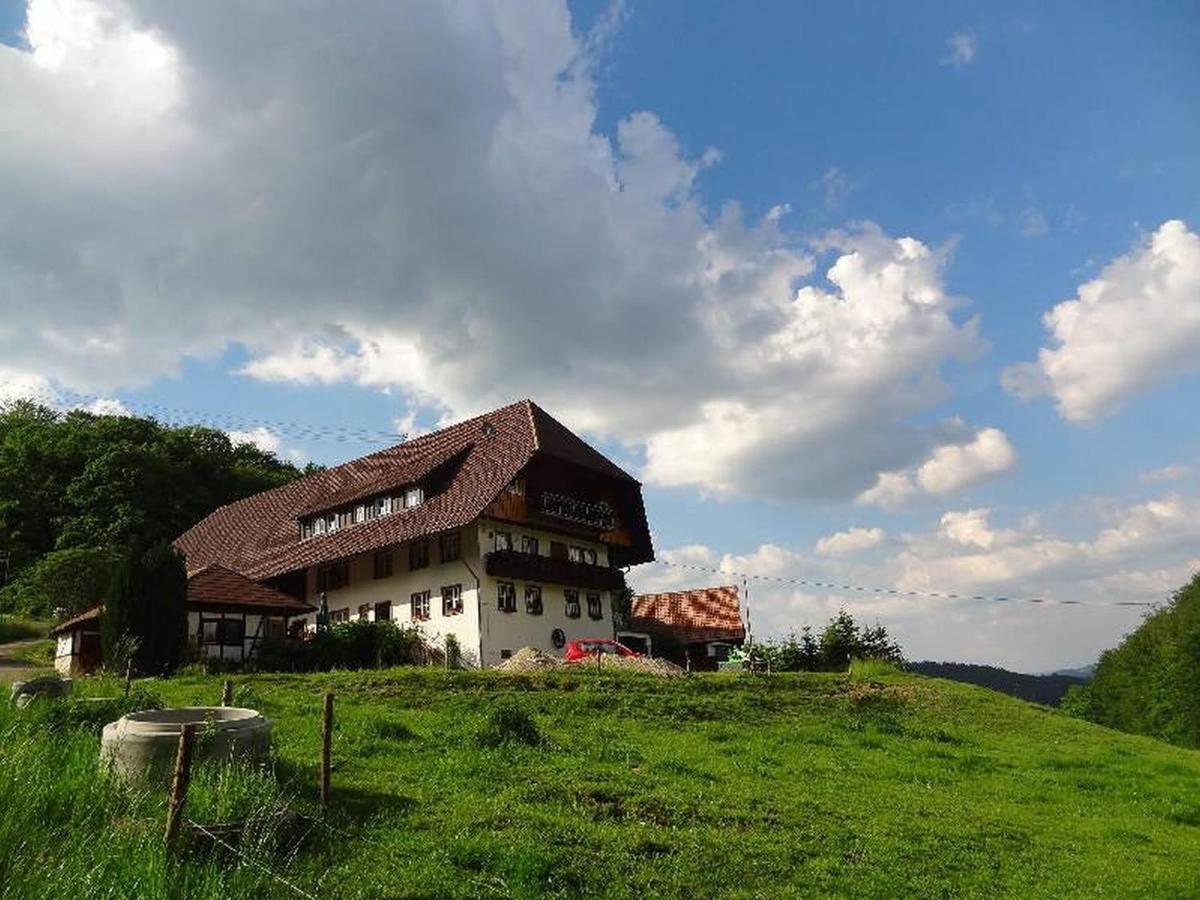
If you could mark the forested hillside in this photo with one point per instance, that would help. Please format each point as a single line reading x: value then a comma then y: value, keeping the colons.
x: 74, y: 486
x: 1046, y: 689
x: 1150, y: 684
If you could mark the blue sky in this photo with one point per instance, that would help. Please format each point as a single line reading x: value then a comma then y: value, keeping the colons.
x: 198, y: 219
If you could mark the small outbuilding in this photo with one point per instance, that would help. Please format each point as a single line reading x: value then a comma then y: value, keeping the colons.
x: 229, y: 616
x: 696, y: 628
x: 77, y: 647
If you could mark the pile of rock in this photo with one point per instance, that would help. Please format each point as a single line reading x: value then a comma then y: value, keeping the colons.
x: 530, y: 659
x: 664, y: 668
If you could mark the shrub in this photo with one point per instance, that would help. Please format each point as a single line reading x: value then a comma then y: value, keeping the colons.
x: 508, y: 724
x: 63, y: 583
x: 348, y: 645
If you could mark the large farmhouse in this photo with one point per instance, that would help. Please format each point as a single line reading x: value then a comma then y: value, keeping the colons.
x: 505, y: 531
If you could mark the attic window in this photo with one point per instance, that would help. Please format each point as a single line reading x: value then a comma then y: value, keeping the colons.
x: 414, y: 496
x: 487, y: 429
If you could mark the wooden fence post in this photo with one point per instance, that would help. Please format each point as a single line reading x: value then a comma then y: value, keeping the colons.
x: 179, y: 782
x: 128, y: 676
x: 326, y: 749
x: 227, y: 693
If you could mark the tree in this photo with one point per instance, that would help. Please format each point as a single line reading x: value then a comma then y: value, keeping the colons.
x: 146, y: 609
x: 63, y: 583
x: 78, y: 480
x: 839, y: 641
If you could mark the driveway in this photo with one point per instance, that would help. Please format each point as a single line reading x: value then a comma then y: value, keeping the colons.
x: 12, y: 668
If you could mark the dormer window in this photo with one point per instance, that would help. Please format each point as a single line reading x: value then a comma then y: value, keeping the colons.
x: 414, y: 496
x: 383, y: 506
x: 360, y: 514
x: 319, y: 526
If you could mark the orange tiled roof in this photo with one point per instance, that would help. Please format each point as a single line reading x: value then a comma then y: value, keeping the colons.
x: 259, y: 535
x: 218, y: 586
x: 706, y: 614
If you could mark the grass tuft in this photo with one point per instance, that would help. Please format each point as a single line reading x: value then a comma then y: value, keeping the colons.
x: 506, y: 724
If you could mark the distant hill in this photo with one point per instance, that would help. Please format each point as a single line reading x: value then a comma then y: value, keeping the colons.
x: 1045, y: 689
x: 1084, y: 672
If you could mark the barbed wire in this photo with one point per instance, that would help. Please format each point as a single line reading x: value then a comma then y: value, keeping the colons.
x: 262, y: 867
x: 898, y: 592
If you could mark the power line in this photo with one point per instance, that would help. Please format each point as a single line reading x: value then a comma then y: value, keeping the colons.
x: 182, y: 416
x: 897, y: 592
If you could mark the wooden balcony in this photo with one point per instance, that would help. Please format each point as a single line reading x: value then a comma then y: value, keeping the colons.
x: 549, y: 570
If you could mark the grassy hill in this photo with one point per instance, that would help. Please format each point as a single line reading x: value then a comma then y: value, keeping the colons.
x: 879, y: 785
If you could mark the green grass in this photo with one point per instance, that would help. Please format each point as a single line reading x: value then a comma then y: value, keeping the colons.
x: 874, y: 784
x: 15, y: 628
x: 39, y: 653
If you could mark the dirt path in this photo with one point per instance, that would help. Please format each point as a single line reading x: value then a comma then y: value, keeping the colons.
x: 13, y: 669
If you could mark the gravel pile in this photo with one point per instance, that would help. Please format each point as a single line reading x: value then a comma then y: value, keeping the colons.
x: 661, y: 667
x: 530, y: 659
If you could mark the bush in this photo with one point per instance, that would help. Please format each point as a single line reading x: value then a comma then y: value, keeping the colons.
x: 348, y: 645
x: 508, y: 724
x: 63, y: 584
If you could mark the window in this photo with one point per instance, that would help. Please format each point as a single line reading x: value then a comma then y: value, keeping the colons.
x: 529, y: 544
x: 340, y: 615
x: 364, y: 612
x: 506, y: 597
x: 331, y: 523
x: 420, y: 605
x: 504, y: 540
x: 318, y: 526
x: 589, y: 556
x: 383, y: 611
x: 450, y: 546
x: 414, y: 496
x: 418, y: 554
x: 333, y: 576
x: 452, y: 600
x: 383, y: 564
x: 360, y: 513
x: 506, y: 654
x: 222, y: 631
x: 575, y: 554
x: 572, y: 603
x: 595, y: 608
x: 533, y: 599
x: 382, y: 505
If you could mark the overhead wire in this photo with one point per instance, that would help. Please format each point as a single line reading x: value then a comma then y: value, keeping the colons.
x: 898, y: 592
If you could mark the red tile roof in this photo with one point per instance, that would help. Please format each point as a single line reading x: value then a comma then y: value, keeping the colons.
x: 706, y: 614
x: 82, y: 618
x: 218, y: 586
x: 259, y: 536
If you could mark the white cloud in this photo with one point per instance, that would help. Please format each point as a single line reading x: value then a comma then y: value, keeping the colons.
x: 1032, y: 223
x: 1134, y: 326
x: 961, y: 49
x: 107, y: 406
x: 261, y: 437
x: 357, y: 198
x: 1174, y: 472
x: 852, y: 540
x: 1137, y: 553
x: 835, y: 186
x: 950, y: 467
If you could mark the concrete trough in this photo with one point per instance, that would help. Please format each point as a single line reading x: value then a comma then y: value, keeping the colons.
x: 143, y: 744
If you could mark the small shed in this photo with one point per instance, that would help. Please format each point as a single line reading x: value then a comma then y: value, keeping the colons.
x: 699, y: 626
x: 77, y: 648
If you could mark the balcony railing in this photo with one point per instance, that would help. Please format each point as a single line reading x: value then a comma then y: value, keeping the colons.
x: 552, y: 570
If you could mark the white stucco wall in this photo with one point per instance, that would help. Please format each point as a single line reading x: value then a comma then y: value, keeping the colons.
x: 397, y: 590
x: 481, y: 626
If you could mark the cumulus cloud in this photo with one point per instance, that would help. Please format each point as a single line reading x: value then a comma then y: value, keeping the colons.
x: 1173, y: 472
x: 417, y: 198
x: 261, y: 437
x: 1136, y: 553
x: 1134, y: 326
x: 852, y: 540
x: 961, y: 49
x: 950, y: 467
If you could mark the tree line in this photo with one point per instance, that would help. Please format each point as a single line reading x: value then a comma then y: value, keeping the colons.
x: 78, y: 490
x: 1150, y: 683
x: 829, y: 650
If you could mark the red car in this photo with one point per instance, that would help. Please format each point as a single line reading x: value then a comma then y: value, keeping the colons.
x: 589, y: 648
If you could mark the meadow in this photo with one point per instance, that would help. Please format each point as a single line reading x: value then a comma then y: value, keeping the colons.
x: 873, y: 783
